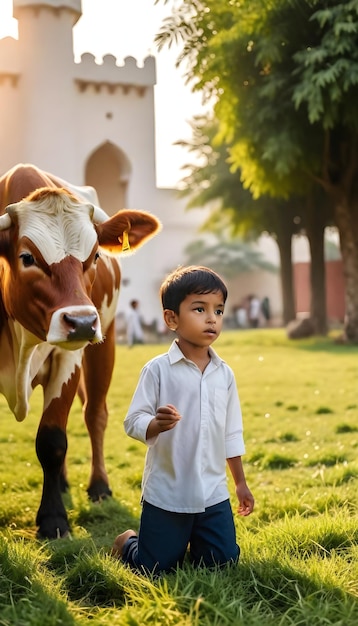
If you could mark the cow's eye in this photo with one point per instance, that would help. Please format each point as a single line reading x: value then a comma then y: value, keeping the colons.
x: 96, y: 257
x: 27, y: 259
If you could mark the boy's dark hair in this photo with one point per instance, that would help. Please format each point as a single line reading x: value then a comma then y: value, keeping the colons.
x: 186, y: 280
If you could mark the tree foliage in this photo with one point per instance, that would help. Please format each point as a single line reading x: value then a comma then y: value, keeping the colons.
x: 283, y: 78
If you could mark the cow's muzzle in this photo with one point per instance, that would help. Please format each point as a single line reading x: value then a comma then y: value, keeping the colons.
x: 74, y: 327
x: 81, y: 328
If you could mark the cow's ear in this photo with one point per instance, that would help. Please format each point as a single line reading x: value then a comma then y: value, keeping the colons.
x: 127, y: 230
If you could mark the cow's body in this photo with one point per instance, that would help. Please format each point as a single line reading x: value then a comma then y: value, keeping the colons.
x: 58, y: 297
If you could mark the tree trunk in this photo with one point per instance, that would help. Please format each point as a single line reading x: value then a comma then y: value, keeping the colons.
x: 315, y: 225
x: 346, y: 220
x: 284, y: 242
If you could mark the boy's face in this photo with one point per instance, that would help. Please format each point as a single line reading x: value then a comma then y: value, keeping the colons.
x: 200, y: 318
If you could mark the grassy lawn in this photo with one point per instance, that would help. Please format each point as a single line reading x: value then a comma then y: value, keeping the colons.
x: 299, y: 549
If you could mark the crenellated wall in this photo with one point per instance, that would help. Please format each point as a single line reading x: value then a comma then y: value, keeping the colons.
x: 111, y: 76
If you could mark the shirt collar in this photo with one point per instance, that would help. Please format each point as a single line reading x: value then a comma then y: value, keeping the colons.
x: 175, y: 355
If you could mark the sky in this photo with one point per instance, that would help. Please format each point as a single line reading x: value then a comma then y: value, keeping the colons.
x: 127, y: 28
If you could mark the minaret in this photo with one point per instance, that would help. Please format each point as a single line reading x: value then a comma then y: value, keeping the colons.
x: 46, y: 70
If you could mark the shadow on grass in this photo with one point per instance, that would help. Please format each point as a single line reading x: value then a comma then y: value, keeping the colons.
x: 90, y: 574
x: 29, y: 593
x: 265, y: 592
x: 99, y: 519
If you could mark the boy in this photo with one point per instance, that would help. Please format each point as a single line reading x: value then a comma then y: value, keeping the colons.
x: 186, y: 410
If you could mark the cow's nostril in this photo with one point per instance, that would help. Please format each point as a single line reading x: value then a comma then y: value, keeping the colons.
x: 80, y: 327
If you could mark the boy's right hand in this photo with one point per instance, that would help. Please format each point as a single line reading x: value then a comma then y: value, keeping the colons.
x: 166, y: 418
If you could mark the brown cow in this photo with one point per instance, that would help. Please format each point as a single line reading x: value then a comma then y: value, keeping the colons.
x: 58, y: 296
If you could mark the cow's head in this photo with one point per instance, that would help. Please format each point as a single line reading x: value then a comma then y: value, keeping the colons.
x: 50, y: 245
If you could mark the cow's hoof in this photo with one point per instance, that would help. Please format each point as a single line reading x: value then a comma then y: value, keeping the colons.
x: 51, y: 529
x: 99, y: 491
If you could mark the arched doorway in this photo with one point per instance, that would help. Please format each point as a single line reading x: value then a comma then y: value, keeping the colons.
x: 108, y: 170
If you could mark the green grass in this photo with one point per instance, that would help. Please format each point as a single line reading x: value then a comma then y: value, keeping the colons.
x: 299, y: 549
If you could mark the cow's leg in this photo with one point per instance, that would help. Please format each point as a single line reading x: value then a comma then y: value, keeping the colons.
x: 98, y: 362
x: 51, y: 445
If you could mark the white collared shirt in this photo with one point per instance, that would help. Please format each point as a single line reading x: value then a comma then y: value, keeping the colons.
x: 185, y: 467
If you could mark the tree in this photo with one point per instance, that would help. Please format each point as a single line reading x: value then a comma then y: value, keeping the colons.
x: 284, y: 76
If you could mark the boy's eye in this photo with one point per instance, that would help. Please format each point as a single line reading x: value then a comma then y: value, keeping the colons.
x: 200, y: 309
x: 219, y: 312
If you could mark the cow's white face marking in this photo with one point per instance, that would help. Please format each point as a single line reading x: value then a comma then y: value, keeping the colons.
x: 58, y: 227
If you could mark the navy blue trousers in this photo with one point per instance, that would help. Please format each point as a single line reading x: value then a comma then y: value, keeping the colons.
x: 164, y: 537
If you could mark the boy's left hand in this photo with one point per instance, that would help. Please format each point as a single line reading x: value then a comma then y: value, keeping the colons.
x: 246, y: 500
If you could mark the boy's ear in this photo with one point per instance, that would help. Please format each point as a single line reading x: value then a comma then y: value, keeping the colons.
x: 170, y: 319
